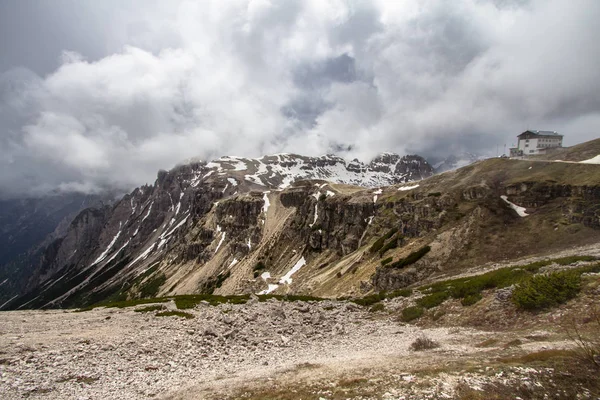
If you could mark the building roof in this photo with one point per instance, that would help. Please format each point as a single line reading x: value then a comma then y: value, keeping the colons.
x: 540, y: 133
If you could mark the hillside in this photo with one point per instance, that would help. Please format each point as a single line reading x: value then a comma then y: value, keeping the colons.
x: 224, y: 228
x: 249, y: 347
x: 577, y: 153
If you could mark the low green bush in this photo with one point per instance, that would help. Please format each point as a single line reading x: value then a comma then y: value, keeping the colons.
x: 399, y: 293
x: 432, y: 300
x: 192, y: 300
x: 289, y: 297
x: 377, y: 307
x: 375, y: 247
x: 370, y: 299
x: 156, y: 307
x: 181, y: 314
x: 392, y: 244
x: 545, y: 291
x: 469, y: 289
x: 411, y: 313
x: 411, y: 258
x: 377, y: 297
x: 151, y: 287
x: 470, y: 299
x: 386, y: 261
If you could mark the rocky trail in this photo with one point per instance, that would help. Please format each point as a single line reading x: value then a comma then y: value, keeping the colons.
x: 239, y: 351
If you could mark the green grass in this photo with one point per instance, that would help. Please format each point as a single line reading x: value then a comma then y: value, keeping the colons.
x: 469, y: 289
x: 181, y: 314
x: 411, y: 258
x: 188, y: 301
x: 411, y: 313
x: 289, y: 297
x: 545, y: 291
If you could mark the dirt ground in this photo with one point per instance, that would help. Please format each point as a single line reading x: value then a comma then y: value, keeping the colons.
x: 278, y: 350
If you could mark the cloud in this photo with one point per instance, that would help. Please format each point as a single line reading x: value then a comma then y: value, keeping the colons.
x: 250, y: 77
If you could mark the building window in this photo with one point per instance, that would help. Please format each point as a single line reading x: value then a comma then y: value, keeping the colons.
x: 532, y: 151
x: 527, y: 141
x: 526, y: 145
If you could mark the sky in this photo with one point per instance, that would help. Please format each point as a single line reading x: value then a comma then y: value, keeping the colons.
x: 102, y: 94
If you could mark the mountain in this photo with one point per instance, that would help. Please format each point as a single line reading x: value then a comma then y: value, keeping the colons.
x: 27, y: 226
x: 456, y: 161
x: 239, y: 225
x: 98, y: 236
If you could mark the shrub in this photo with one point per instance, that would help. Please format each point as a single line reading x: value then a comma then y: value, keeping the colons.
x: 259, y: 266
x: 152, y: 286
x: 392, y: 244
x: 432, y: 300
x: 370, y: 299
x: 437, y: 315
x: 181, y: 314
x: 587, y: 343
x: 411, y: 313
x: 156, y: 307
x: 471, y: 299
x: 423, y: 343
x: 411, y: 258
x: 192, y: 300
x: 399, y: 293
x: 377, y: 307
x: 386, y: 261
x: 375, y: 247
x: 545, y: 291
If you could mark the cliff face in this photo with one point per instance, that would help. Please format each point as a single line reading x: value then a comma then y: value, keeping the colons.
x: 242, y: 227
x: 28, y: 226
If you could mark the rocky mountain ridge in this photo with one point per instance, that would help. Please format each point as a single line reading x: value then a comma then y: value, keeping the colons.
x: 241, y: 226
x: 146, y: 220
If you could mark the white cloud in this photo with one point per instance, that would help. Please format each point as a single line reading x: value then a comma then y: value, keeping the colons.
x: 204, y: 79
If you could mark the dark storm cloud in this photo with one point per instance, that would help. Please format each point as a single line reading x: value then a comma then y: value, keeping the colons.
x: 103, y: 94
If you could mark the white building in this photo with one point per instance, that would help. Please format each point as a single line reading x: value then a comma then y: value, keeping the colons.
x: 536, y: 142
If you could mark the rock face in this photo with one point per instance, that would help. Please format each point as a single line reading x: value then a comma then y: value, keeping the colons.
x: 251, y: 226
x: 106, y: 246
x: 28, y: 226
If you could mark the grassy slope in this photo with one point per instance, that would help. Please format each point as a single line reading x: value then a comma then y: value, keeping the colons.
x: 580, y: 152
x: 494, y: 234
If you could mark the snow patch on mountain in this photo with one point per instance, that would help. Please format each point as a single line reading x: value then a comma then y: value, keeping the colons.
x: 593, y: 160
x: 520, y: 210
x: 287, y: 278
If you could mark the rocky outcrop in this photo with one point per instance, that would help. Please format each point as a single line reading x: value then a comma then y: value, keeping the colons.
x: 582, y: 203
